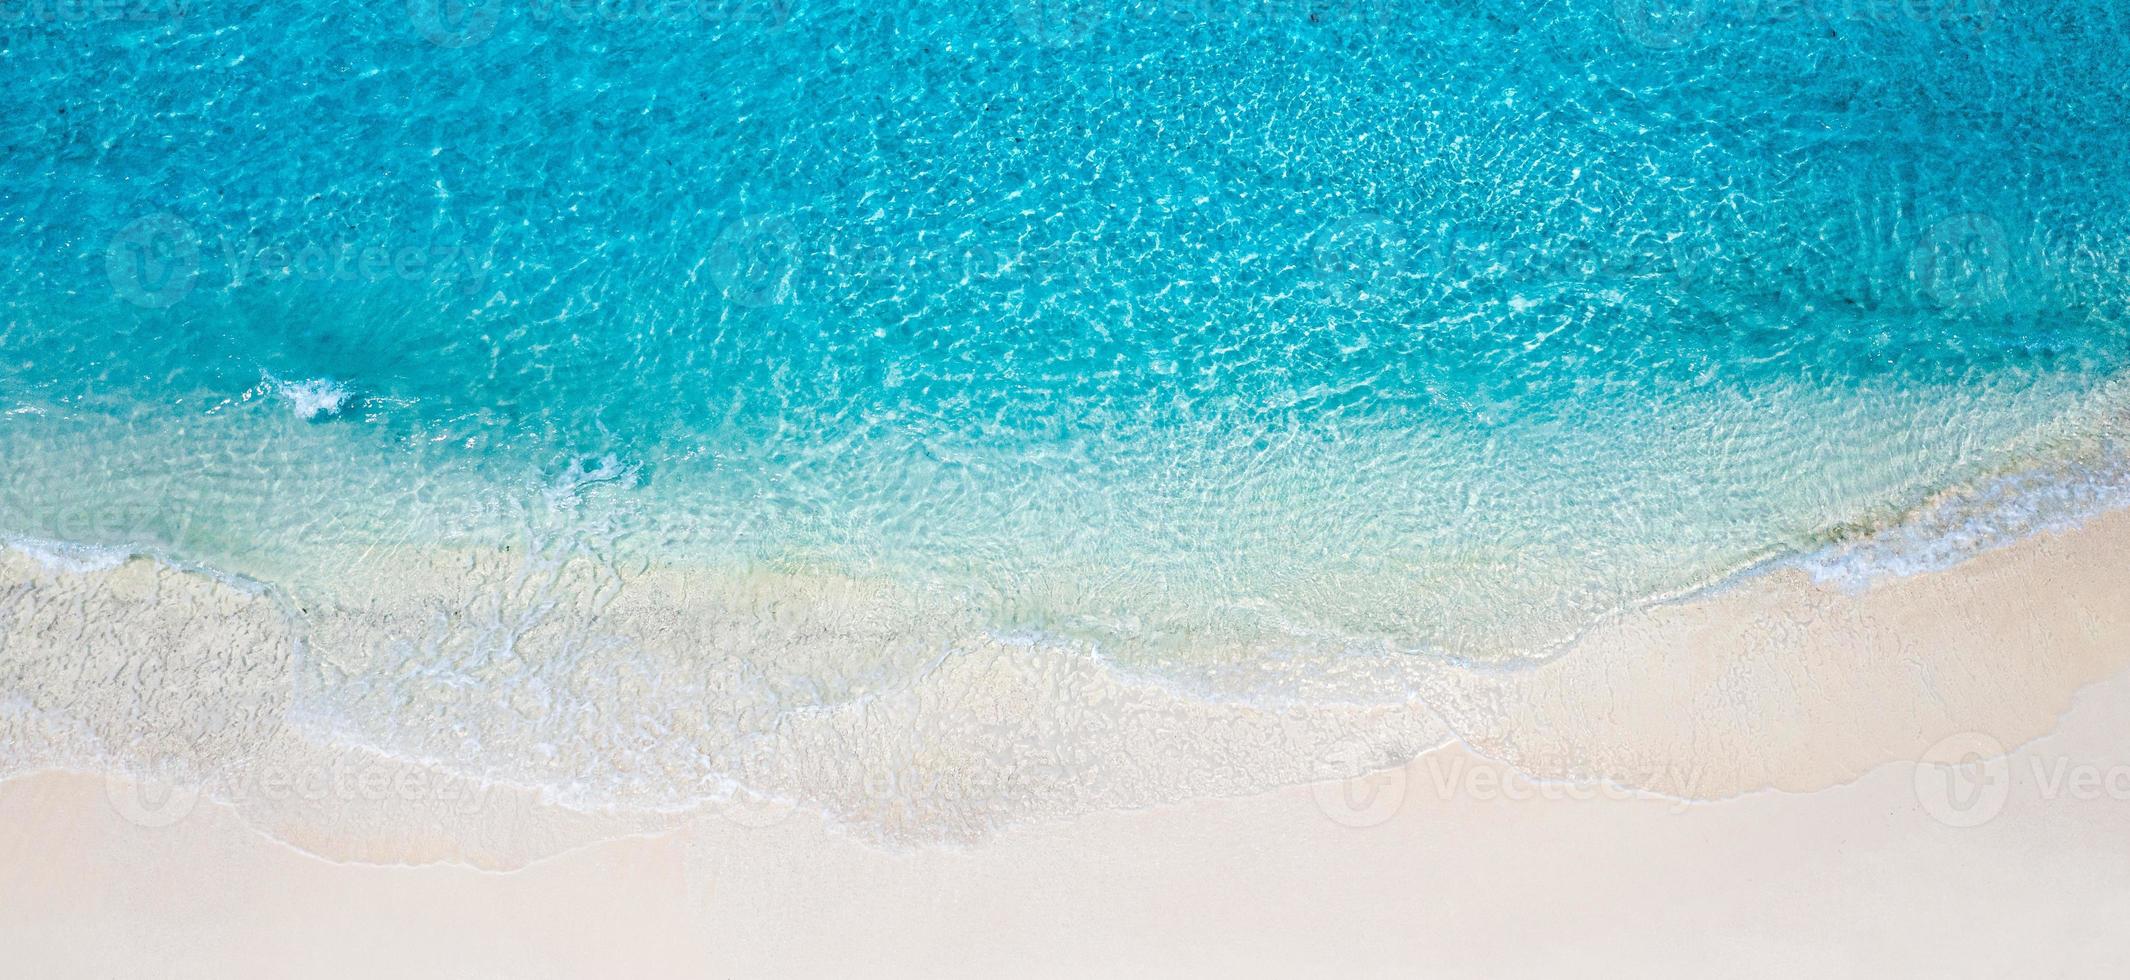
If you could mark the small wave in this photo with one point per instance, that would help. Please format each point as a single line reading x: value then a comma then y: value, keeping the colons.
x: 69, y: 558
x: 1959, y: 525
x: 312, y: 397
x: 586, y: 472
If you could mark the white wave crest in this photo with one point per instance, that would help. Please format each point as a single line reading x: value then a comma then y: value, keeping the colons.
x: 312, y: 397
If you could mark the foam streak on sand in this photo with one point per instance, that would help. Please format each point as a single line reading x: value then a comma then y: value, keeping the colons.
x: 614, y: 702
x: 1883, y: 875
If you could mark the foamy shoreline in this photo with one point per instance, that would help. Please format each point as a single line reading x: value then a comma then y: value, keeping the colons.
x: 1698, y: 698
x: 1440, y: 867
x: 1799, y: 707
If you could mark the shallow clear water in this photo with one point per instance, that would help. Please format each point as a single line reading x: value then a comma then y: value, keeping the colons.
x: 1438, y: 327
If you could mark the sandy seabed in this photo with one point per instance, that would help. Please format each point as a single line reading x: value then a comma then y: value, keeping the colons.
x: 1929, y: 777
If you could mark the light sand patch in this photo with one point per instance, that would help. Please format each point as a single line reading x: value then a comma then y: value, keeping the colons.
x: 1471, y: 874
x: 1781, y: 683
x: 575, y: 700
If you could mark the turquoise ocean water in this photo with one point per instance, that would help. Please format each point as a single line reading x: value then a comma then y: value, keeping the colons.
x: 1438, y: 327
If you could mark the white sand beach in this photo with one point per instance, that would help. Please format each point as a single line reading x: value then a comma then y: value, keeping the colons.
x: 1798, y: 820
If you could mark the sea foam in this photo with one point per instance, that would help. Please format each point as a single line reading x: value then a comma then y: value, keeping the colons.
x: 312, y: 397
x: 70, y: 558
x: 1960, y: 524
